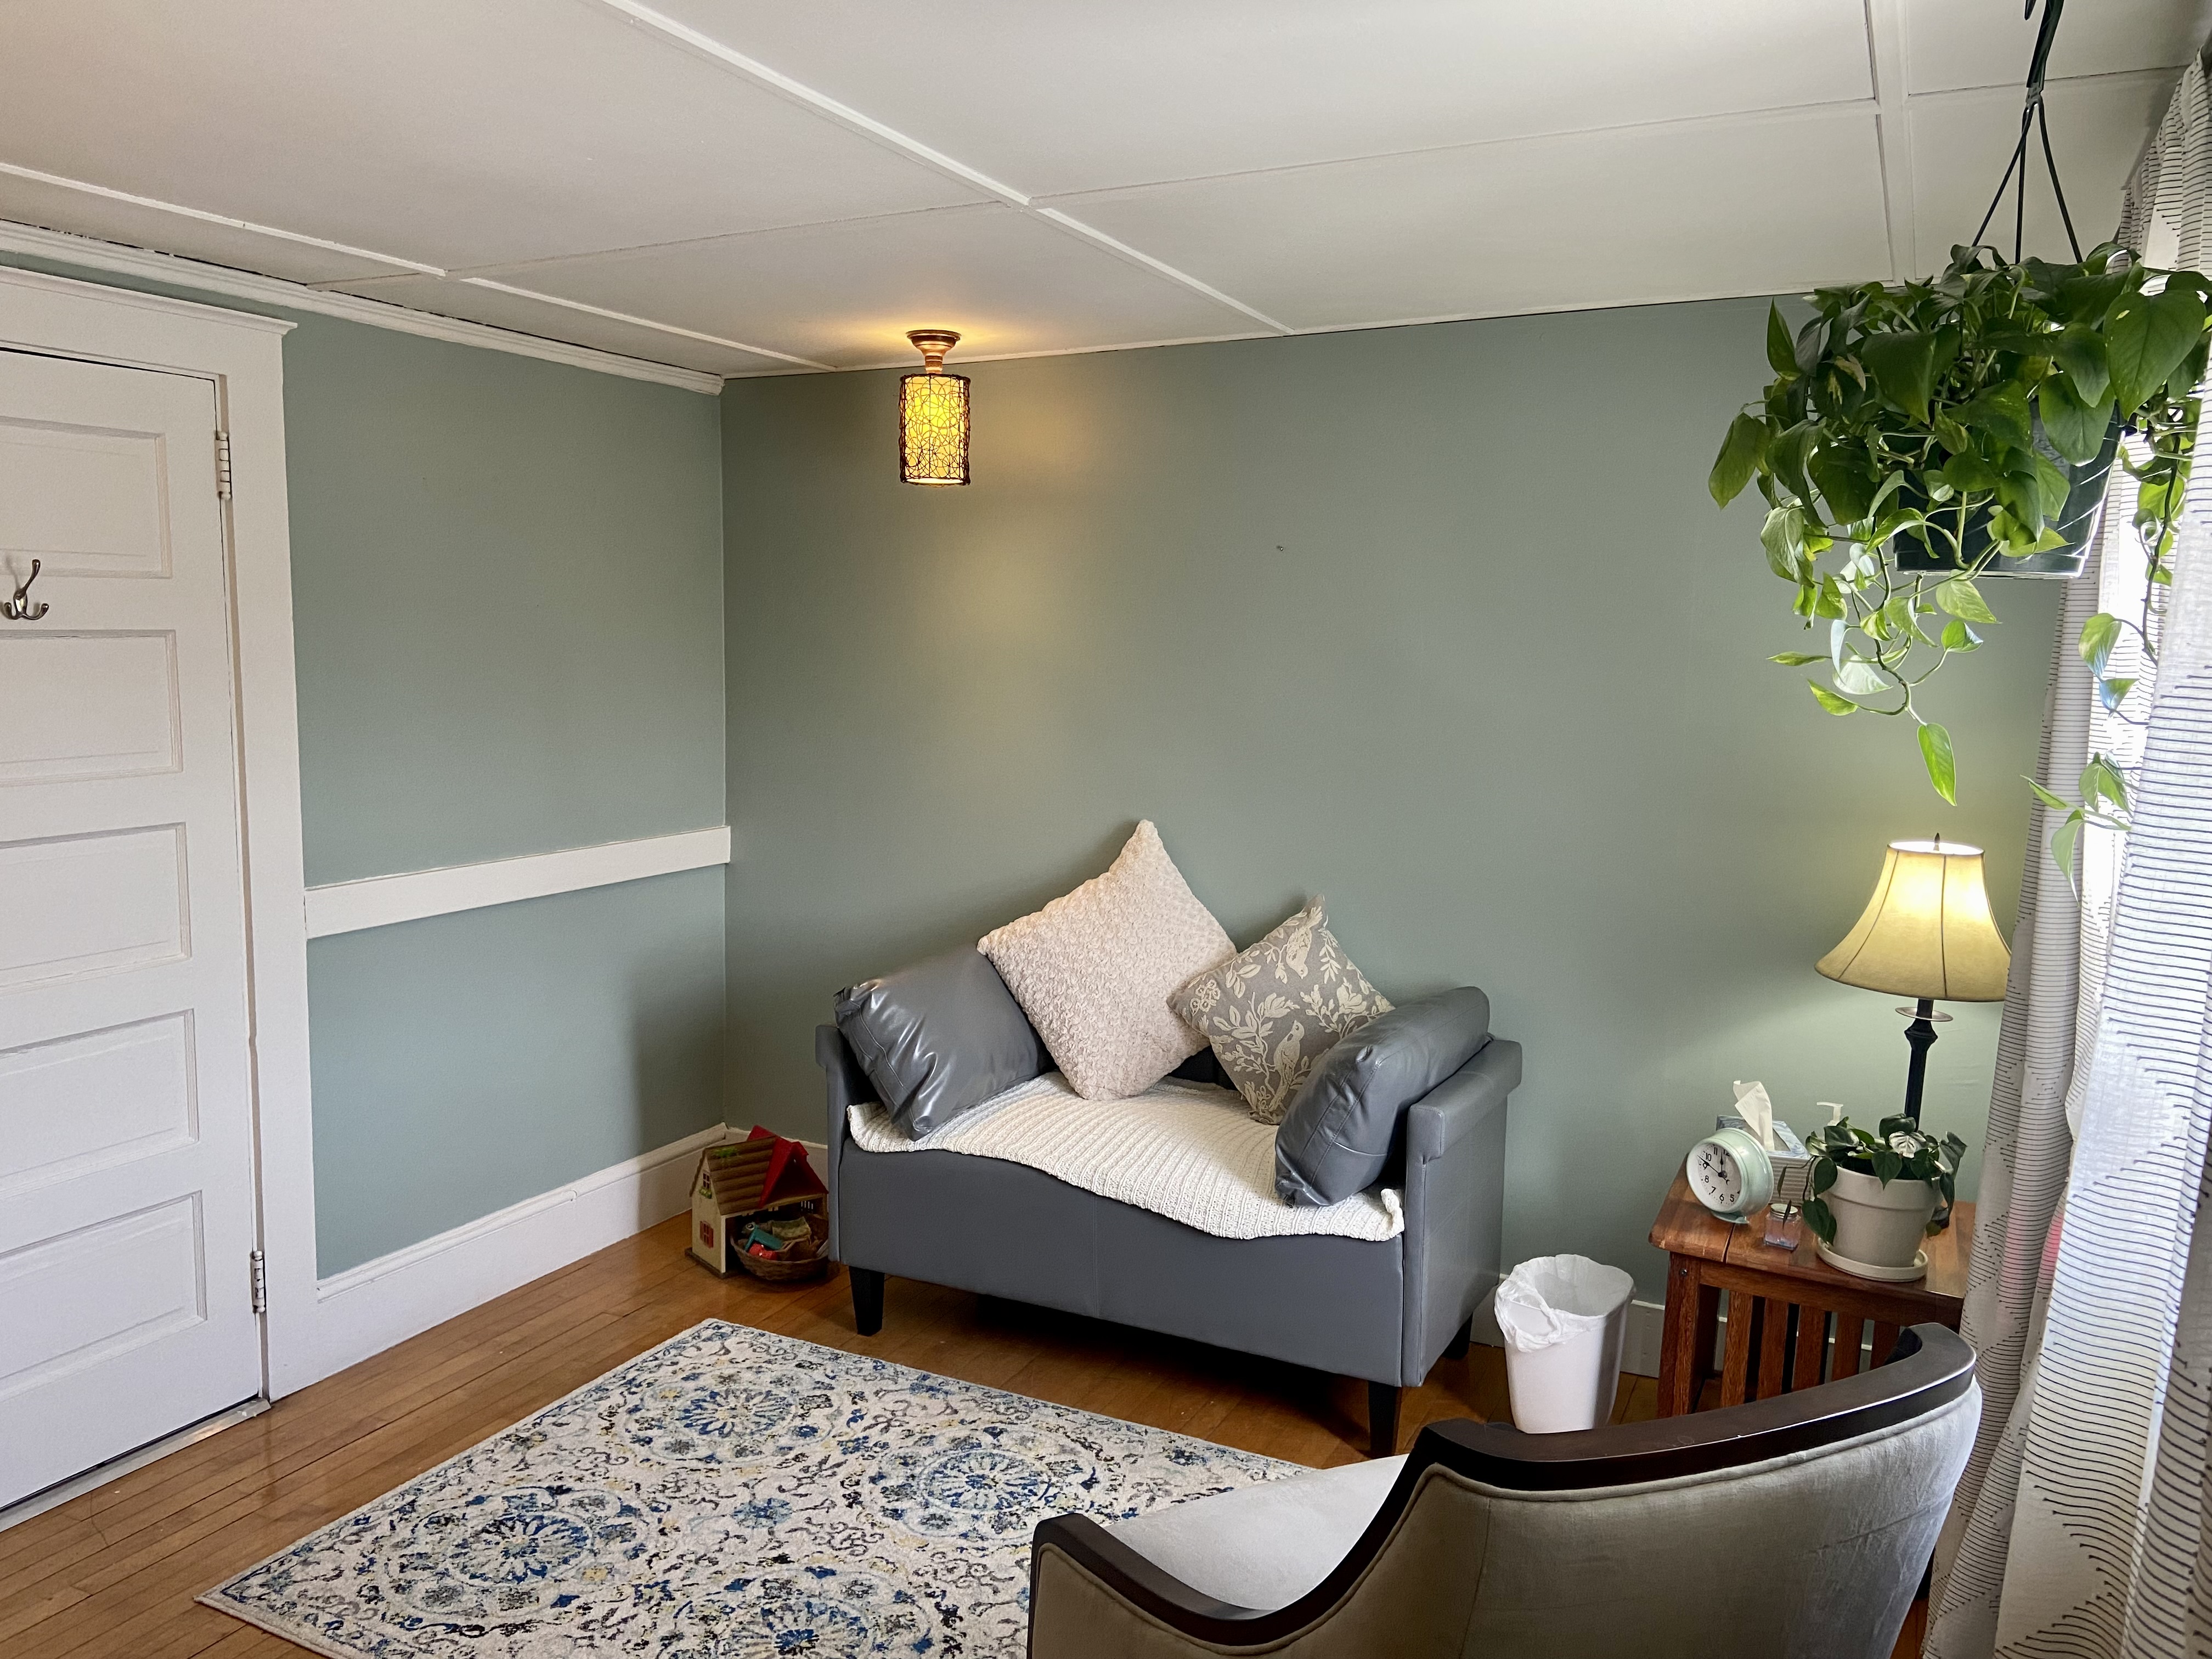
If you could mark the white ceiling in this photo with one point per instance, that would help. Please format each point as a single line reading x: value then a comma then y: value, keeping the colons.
x: 749, y: 187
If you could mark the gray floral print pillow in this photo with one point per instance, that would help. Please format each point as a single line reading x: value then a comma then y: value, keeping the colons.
x: 1271, y: 1010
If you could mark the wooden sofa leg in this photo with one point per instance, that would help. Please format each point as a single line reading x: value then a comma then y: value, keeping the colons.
x: 867, y: 1300
x: 1456, y: 1348
x: 1383, y: 1419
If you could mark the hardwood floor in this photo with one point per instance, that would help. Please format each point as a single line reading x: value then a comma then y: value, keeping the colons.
x: 112, y: 1574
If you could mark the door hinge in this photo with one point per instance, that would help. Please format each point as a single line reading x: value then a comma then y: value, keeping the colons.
x: 260, y: 1282
x: 223, y: 466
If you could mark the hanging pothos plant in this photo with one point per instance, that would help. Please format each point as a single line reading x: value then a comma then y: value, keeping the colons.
x: 1914, y: 435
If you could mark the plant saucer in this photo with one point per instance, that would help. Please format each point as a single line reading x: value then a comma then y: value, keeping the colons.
x: 1887, y: 1275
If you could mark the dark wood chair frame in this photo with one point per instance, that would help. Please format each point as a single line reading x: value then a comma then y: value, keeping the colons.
x: 1929, y: 1366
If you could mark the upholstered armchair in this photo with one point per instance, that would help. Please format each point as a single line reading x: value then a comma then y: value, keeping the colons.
x: 1798, y: 1526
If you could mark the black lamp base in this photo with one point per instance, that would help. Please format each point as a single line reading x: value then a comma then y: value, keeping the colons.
x: 1920, y: 1035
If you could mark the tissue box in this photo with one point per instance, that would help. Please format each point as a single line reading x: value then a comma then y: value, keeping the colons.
x: 1793, y: 1164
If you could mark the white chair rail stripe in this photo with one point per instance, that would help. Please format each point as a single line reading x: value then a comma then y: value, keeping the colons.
x: 348, y: 907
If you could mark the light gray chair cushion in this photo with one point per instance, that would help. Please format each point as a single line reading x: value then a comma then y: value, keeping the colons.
x: 939, y: 1038
x: 1337, y: 1135
x: 1264, y: 1546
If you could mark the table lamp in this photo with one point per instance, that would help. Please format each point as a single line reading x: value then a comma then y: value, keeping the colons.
x: 1926, y: 933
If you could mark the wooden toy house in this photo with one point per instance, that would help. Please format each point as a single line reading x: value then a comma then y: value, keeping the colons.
x: 738, y: 1182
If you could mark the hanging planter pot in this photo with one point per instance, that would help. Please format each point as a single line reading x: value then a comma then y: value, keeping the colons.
x: 1918, y: 435
x: 2076, y: 523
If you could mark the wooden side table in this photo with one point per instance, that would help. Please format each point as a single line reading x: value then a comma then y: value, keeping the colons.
x: 1788, y: 1298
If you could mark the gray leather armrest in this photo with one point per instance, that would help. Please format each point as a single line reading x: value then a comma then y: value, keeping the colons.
x: 1454, y: 1202
x: 847, y: 1082
x: 1455, y: 1106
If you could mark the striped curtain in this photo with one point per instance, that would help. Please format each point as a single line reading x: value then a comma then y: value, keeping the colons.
x: 2153, y: 1102
x: 2028, y: 1145
x: 2060, y: 947
x: 2081, y: 1527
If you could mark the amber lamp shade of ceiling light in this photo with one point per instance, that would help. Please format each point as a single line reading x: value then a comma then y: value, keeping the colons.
x: 933, y: 415
x: 1926, y: 933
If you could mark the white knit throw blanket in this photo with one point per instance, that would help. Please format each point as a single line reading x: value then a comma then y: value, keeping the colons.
x: 1187, y: 1151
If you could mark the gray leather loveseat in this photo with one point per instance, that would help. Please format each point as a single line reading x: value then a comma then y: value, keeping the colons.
x: 1383, y: 1311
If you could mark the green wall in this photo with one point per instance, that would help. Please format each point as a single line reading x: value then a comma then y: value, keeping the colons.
x: 507, y: 586
x: 1438, y: 621
x: 507, y: 577
x: 463, y: 1063
x: 507, y: 598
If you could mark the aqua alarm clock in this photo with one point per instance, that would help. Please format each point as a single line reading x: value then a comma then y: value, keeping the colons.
x: 1731, y: 1173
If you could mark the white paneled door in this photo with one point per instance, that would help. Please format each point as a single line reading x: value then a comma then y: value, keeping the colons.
x: 126, y: 1179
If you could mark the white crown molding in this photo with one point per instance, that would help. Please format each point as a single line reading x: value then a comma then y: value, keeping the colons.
x: 348, y: 907
x: 161, y: 304
x: 96, y: 255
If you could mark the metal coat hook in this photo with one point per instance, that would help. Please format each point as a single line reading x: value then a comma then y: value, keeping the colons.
x: 20, y: 609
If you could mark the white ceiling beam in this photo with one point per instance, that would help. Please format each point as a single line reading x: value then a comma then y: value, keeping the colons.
x: 1886, y: 52
x: 639, y: 322
x: 1891, y: 29
x: 416, y: 267
x: 92, y: 254
x: 776, y: 80
x: 206, y: 217
x: 844, y: 114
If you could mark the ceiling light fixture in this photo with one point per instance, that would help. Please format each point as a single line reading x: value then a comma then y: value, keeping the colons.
x: 933, y: 415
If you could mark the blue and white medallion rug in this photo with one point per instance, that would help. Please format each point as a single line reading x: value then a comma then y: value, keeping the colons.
x: 730, y: 1494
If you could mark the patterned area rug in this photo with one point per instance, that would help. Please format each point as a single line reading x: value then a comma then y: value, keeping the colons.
x: 729, y: 1495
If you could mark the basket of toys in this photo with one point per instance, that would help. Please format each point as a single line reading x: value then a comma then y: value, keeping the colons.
x: 783, y: 1247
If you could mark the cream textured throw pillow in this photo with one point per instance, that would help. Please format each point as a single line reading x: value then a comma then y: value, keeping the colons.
x: 1271, y: 1010
x: 1095, y: 968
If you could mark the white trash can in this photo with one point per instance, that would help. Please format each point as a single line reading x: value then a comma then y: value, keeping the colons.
x: 1564, y: 1318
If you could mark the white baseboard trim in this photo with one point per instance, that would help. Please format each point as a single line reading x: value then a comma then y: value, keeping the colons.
x: 347, y: 907
x: 366, y: 1309
x: 1639, y: 1344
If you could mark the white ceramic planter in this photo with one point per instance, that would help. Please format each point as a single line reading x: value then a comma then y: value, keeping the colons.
x: 1878, y: 1229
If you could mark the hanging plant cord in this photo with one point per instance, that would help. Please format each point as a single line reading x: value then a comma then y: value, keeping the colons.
x: 2033, y: 115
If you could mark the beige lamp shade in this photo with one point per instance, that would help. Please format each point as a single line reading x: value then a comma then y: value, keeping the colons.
x: 1927, y: 931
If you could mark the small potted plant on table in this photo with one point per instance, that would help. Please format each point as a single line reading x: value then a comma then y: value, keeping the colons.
x: 1875, y: 1196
